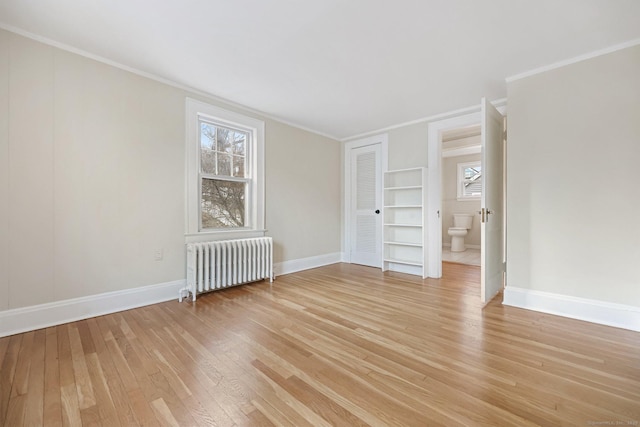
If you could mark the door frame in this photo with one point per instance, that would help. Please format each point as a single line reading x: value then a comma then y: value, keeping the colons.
x: 383, y: 140
x: 434, y: 182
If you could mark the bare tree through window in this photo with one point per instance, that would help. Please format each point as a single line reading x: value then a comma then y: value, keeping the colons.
x: 223, y: 155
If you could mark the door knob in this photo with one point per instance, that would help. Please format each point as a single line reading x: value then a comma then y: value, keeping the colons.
x: 377, y: 211
x: 484, y: 214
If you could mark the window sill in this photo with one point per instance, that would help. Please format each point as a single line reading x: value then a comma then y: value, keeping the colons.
x: 205, y: 236
x: 468, y: 199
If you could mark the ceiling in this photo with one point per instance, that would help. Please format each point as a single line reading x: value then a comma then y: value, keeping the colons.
x: 337, y: 67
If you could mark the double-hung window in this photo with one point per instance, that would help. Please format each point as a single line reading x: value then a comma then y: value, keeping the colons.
x: 224, y: 179
x: 225, y: 172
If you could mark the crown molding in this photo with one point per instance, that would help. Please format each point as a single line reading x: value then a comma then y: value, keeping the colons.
x: 573, y: 60
x: 212, y: 97
x: 500, y: 104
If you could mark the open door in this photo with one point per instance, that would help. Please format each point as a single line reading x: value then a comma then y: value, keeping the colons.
x: 492, y: 212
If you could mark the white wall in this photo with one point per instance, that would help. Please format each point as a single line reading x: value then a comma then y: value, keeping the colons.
x: 303, y: 188
x: 572, y: 198
x: 92, y: 179
x: 4, y: 171
x: 408, y: 146
x: 451, y: 204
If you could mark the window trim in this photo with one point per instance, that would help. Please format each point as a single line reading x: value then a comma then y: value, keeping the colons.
x: 460, y: 180
x: 195, y: 110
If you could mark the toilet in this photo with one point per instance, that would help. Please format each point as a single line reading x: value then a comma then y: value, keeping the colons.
x: 461, y: 226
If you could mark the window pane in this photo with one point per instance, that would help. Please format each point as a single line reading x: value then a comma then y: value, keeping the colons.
x: 207, y: 136
x: 469, y: 180
x: 238, y: 166
x: 207, y: 147
x: 224, y: 138
x: 208, y: 161
x: 224, y: 164
x: 471, y: 172
x: 472, y: 186
x: 223, y: 203
x: 217, y: 146
x: 239, y: 143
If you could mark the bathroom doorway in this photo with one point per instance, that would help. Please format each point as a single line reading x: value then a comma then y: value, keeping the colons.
x: 491, y: 216
x: 461, y: 175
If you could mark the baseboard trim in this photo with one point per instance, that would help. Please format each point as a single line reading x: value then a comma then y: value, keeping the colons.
x: 448, y: 245
x: 40, y: 316
x: 295, y: 265
x: 603, y: 313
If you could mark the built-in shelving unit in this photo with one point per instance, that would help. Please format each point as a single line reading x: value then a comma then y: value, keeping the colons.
x: 404, y: 221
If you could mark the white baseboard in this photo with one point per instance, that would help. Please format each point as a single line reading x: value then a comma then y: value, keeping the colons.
x: 604, y: 313
x: 467, y: 246
x: 294, y: 265
x: 40, y: 316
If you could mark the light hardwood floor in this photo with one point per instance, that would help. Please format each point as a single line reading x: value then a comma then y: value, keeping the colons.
x: 338, y: 345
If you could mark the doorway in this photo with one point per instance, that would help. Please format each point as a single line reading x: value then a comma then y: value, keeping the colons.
x: 434, y: 193
x: 492, y: 216
x: 461, y: 175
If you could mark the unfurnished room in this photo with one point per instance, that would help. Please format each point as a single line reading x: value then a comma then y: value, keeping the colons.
x: 319, y: 213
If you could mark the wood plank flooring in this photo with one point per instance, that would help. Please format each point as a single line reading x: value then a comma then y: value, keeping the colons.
x: 341, y: 345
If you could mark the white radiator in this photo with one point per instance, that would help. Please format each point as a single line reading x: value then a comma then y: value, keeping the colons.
x: 225, y: 263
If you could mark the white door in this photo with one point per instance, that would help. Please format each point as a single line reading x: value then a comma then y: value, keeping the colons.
x: 366, y: 205
x: 492, y: 207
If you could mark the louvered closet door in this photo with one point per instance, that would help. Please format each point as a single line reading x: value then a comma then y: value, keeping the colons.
x: 366, y: 206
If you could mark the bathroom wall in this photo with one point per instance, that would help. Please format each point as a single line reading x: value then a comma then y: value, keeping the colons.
x: 450, y: 203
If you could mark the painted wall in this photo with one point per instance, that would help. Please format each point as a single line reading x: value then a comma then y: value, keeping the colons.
x: 408, y: 146
x: 572, y: 176
x: 92, y: 178
x: 304, y: 192
x: 450, y: 203
x: 4, y: 171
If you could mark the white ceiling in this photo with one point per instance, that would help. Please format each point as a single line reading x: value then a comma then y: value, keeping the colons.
x: 338, y: 67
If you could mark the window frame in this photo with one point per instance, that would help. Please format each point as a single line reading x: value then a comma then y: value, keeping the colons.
x: 254, y: 168
x: 460, y: 180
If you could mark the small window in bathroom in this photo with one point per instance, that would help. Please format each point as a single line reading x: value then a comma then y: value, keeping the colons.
x: 469, y: 181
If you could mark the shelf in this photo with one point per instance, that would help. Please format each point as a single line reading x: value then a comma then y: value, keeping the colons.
x: 415, y: 245
x: 405, y: 219
x: 403, y: 261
